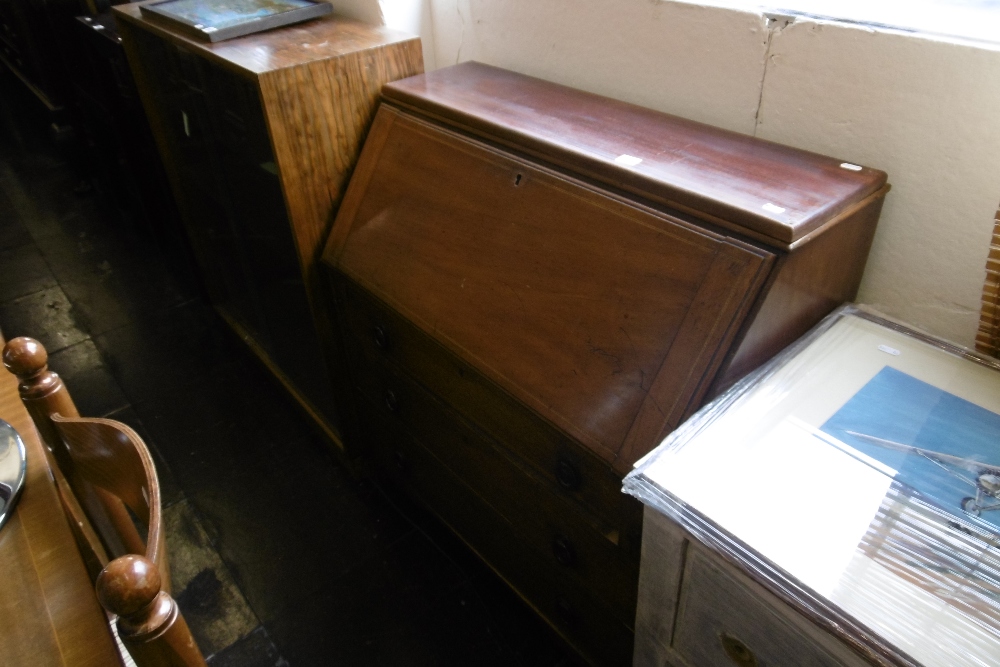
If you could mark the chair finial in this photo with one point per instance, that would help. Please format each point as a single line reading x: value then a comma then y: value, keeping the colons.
x: 25, y: 357
x: 128, y: 585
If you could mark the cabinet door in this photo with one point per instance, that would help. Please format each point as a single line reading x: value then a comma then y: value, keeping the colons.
x: 249, y: 176
x: 225, y: 174
x: 187, y: 144
x: 598, y: 314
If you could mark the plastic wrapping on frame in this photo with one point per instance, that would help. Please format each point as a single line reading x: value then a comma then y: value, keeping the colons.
x: 774, y: 511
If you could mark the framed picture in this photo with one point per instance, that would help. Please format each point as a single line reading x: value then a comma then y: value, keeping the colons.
x: 863, y: 465
x: 216, y: 20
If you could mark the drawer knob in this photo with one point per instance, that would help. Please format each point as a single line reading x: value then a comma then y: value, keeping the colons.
x: 567, y: 475
x: 737, y: 651
x: 391, y: 402
x: 567, y: 612
x: 564, y: 551
x: 402, y: 461
x: 381, y: 337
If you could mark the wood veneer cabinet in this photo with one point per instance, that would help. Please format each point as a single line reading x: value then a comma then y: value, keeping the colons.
x: 536, y: 284
x: 259, y: 136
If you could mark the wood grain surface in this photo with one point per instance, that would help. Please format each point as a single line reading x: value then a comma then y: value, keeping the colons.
x: 318, y: 115
x: 49, y: 614
x: 730, y: 179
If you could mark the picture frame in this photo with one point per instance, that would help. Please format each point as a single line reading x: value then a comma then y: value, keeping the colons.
x: 218, y: 20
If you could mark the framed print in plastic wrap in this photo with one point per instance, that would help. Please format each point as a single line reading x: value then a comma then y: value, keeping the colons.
x: 857, y: 476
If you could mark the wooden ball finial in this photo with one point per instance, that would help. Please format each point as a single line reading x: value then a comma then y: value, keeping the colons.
x: 25, y: 357
x: 128, y: 584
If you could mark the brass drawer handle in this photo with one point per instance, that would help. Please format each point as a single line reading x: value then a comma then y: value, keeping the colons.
x: 391, y: 402
x: 737, y: 651
x: 564, y: 551
x: 381, y: 337
x: 567, y: 475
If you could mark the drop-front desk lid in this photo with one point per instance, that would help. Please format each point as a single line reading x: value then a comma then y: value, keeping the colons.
x: 857, y: 475
x: 770, y: 190
x: 493, y: 211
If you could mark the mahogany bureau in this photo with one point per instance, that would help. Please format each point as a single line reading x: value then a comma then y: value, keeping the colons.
x: 535, y: 284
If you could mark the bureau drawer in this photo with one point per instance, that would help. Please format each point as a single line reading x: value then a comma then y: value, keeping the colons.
x: 583, y: 621
x: 545, y: 521
x: 375, y: 333
x: 723, y: 621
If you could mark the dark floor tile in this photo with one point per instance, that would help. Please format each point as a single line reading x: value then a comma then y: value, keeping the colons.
x: 213, y: 606
x: 205, y: 418
x: 260, y: 395
x: 13, y: 233
x: 45, y: 316
x: 170, y: 491
x: 28, y: 273
x: 381, y: 613
x: 254, y: 650
x: 284, y: 536
x: 111, y: 283
x: 91, y: 385
x: 41, y: 197
x: 166, y: 353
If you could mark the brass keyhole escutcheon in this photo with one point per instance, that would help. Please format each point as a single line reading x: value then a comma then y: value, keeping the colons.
x: 737, y: 651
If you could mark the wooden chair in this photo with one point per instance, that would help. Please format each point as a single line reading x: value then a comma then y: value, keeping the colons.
x: 103, y: 471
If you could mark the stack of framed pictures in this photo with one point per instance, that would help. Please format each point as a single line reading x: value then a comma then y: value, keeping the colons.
x: 859, y: 473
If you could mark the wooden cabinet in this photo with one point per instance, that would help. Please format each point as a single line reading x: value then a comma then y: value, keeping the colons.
x: 259, y: 136
x: 535, y: 284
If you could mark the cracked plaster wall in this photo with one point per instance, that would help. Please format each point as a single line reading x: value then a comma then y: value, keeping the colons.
x: 926, y: 112
x: 921, y: 109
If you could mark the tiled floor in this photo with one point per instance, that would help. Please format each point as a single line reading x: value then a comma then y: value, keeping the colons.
x: 278, y: 555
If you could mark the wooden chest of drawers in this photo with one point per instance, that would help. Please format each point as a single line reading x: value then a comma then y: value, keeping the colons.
x: 697, y: 609
x: 535, y: 284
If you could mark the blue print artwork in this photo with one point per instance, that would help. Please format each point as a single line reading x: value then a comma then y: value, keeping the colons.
x: 945, y: 447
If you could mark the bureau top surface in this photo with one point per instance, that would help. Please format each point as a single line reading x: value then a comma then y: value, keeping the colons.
x: 776, y: 191
x: 324, y: 38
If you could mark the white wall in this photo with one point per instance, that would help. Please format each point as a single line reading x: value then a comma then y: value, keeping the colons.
x: 699, y: 62
x: 924, y: 110
x: 928, y: 113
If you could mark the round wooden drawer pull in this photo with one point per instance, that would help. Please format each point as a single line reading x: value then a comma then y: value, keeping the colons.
x: 737, y: 651
x: 564, y: 551
x: 381, y: 337
x: 567, y: 475
x: 567, y: 612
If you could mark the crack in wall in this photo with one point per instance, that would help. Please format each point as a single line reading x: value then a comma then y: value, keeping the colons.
x: 775, y: 24
x: 461, y: 37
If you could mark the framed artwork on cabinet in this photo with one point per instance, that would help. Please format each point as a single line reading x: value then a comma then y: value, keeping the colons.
x: 216, y: 20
